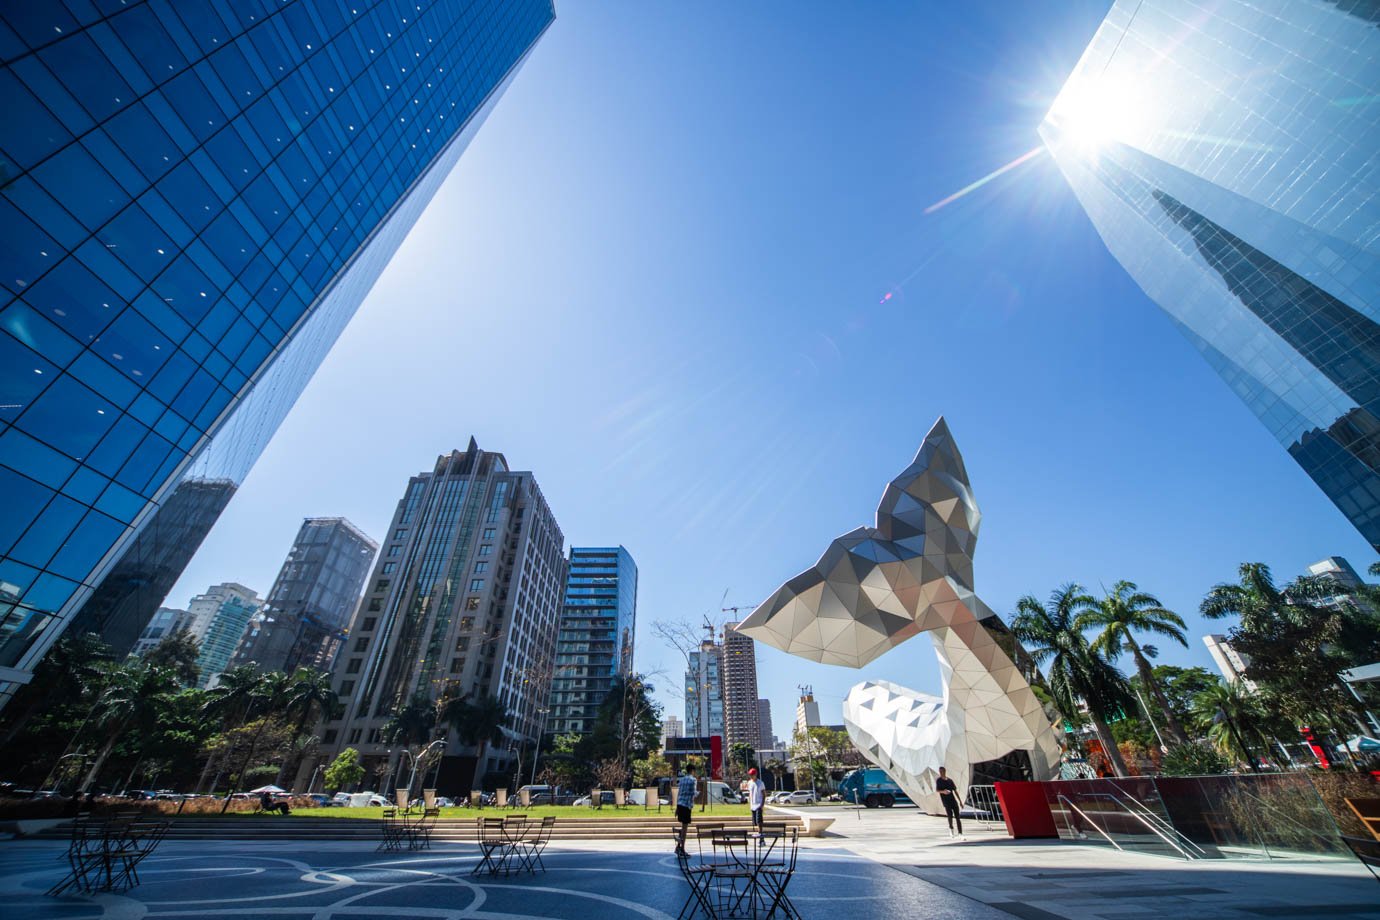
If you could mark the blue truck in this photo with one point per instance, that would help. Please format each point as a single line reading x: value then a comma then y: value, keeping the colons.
x: 872, y: 787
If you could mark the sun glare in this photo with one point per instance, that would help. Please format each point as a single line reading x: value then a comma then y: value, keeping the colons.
x: 1092, y: 114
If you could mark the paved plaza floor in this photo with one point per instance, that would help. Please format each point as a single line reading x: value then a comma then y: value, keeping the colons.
x: 888, y: 865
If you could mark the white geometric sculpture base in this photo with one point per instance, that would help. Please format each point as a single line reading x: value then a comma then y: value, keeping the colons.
x: 876, y: 587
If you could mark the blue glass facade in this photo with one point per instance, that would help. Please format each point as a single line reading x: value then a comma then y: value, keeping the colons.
x: 595, y: 643
x: 194, y: 199
x: 1229, y: 156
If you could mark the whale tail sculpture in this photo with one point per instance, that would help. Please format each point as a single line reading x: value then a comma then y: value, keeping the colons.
x: 912, y: 572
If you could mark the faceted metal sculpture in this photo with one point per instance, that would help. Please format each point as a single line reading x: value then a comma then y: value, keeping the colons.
x: 912, y: 572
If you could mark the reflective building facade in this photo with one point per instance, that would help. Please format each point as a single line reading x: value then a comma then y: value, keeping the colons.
x: 464, y: 601
x: 194, y: 199
x: 303, y: 621
x: 1229, y: 156
x: 595, y: 643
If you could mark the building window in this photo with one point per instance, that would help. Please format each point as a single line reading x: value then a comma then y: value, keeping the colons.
x: 361, y: 643
x: 400, y: 534
x: 376, y: 604
x: 394, y: 550
x: 467, y: 622
x: 375, y: 736
x: 389, y: 568
x: 368, y: 625
x: 329, y: 737
x: 480, y: 568
x: 457, y: 665
x: 486, y: 549
x: 382, y: 585
x: 355, y: 734
x: 353, y: 666
x: 477, y: 584
x: 471, y: 603
x: 347, y: 687
x: 462, y: 643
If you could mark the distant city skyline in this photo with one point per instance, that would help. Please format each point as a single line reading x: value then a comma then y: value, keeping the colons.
x: 716, y: 392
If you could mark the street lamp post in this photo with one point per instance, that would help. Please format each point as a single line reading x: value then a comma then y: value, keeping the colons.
x: 422, y: 756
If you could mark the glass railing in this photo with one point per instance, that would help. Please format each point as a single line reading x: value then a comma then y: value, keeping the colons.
x: 1264, y: 816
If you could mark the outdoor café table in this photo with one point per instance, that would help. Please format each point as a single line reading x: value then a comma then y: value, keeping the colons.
x: 750, y: 872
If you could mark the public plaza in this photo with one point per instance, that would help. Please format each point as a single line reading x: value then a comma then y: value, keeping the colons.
x: 871, y: 864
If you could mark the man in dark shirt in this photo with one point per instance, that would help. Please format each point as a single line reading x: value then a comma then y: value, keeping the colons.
x: 948, y: 794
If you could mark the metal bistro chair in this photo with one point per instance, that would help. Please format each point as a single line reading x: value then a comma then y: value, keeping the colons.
x: 493, y: 845
x: 419, y: 833
x: 775, y: 878
x: 530, y: 849
x: 696, y: 874
x: 85, y: 855
x: 393, y: 830
x: 140, y: 839
x: 733, y: 877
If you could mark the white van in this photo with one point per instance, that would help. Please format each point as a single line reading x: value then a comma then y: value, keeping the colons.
x: 722, y: 794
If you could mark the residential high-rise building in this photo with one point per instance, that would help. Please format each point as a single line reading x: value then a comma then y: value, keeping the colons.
x: 1337, y: 569
x: 218, y: 619
x: 1222, y: 153
x: 671, y: 727
x: 741, y: 725
x: 197, y: 198
x: 704, y: 691
x: 464, y: 601
x: 595, y: 643
x: 317, y: 589
x: 165, y: 622
x: 1229, y: 661
x: 806, y: 712
x: 766, y: 739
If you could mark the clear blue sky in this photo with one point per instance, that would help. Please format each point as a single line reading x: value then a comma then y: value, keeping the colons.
x: 656, y: 280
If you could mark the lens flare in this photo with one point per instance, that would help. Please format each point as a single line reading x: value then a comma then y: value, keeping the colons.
x: 972, y: 187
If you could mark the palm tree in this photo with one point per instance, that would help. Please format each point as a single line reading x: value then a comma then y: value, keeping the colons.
x: 1076, y: 671
x: 229, y: 702
x: 1231, y: 714
x: 480, y: 722
x: 1124, y: 611
x: 268, y: 699
x: 133, y: 699
x: 1293, y: 635
x: 310, y: 699
x: 412, y: 723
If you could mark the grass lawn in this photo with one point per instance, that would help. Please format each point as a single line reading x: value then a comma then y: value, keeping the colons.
x: 538, y: 811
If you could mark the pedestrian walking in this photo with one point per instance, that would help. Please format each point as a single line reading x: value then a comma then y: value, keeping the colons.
x: 757, y: 796
x: 686, y: 790
x: 948, y: 794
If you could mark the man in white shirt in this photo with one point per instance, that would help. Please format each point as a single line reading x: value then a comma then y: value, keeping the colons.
x: 757, y: 796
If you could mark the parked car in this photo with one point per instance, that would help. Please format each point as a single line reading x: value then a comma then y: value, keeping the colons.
x: 605, y: 798
x: 777, y: 798
x: 799, y: 797
x: 321, y: 800
x: 341, y: 798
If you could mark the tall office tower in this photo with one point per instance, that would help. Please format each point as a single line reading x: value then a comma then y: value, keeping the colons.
x: 671, y: 727
x: 766, y: 739
x: 595, y: 643
x: 704, y: 691
x: 464, y: 601
x: 196, y: 198
x: 218, y: 621
x: 165, y: 622
x: 1229, y: 661
x: 741, y: 725
x: 303, y: 621
x: 1228, y: 157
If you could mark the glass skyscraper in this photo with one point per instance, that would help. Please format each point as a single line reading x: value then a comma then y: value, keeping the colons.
x: 194, y: 199
x: 595, y: 644
x: 1229, y: 155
